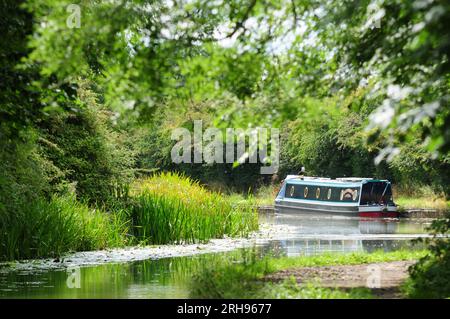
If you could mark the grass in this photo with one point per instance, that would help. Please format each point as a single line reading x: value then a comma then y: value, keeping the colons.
x: 245, y: 278
x: 329, y: 259
x: 422, y: 203
x: 289, y: 289
x: 170, y: 208
x: 423, y: 197
x: 166, y: 208
x: 50, y: 228
x: 264, y: 196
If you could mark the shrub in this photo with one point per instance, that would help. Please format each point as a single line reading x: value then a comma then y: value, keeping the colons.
x: 89, y: 152
x: 430, y: 277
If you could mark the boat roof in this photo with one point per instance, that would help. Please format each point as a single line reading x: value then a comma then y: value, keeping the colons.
x: 342, y: 181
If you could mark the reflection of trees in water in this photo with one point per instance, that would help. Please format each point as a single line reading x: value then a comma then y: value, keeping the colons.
x: 297, y: 247
x: 378, y: 226
x: 165, y: 277
x: 321, y: 225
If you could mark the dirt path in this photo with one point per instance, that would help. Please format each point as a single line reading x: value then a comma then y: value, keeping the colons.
x: 383, y: 279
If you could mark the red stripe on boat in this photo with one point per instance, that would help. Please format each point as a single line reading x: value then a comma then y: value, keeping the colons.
x: 378, y: 214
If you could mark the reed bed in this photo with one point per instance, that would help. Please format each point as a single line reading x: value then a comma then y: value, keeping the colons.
x: 50, y: 228
x: 166, y: 208
x: 172, y: 208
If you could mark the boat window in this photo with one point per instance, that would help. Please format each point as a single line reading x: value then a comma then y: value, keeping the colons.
x: 376, y: 193
x: 349, y: 194
x: 305, y: 192
x: 317, y: 192
x: 291, y: 191
x: 329, y: 193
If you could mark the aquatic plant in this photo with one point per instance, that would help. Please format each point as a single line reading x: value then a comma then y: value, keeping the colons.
x: 49, y: 228
x: 172, y: 208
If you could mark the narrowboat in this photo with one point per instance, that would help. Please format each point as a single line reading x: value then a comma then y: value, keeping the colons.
x: 366, y: 197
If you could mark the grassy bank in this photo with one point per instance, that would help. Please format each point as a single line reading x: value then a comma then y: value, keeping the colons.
x: 264, y: 196
x: 422, y: 197
x: 166, y: 208
x: 246, y: 279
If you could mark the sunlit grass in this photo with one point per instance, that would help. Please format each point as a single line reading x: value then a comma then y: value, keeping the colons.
x: 436, y: 203
x: 421, y: 197
x: 166, y: 208
x: 245, y: 278
x: 290, y: 289
x: 50, y: 228
x: 171, y: 208
x: 264, y: 196
x: 332, y: 259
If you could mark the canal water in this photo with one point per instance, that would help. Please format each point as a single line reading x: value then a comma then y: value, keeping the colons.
x: 169, y: 277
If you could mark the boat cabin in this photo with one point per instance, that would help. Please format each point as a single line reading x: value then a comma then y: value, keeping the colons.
x: 342, y: 195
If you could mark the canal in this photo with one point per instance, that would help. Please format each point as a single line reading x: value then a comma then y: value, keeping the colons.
x: 168, y: 277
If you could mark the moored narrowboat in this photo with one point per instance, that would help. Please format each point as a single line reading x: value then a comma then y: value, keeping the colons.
x: 365, y: 197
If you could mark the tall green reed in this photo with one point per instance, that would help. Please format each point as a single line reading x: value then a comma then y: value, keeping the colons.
x: 50, y: 228
x: 171, y: 208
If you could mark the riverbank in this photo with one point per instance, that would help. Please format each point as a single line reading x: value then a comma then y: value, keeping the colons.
x: 166, y: 270
x: 403, y: 213
x: 166, y: 208
x: 265, y: 233
x: 391, y: 275
x: 323, y: 276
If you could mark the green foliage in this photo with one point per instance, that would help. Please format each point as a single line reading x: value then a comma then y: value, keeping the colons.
x: 350, y: 84
x: 90, y: 153
x: 22, y: 178
x: 407, y: 44
x: 430, y: 277
x: 169, y: 208
x: 290, y: 289
x: 331, y: 141
x: 153, y: 146
x: 328, y: 142
x: 49, y: 228
x: 244, y: 279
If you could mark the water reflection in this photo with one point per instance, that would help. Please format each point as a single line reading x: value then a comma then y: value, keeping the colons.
x: 163, y: 278
x: 314, y: 224
x: 314, y: 234
x: 169, y: 277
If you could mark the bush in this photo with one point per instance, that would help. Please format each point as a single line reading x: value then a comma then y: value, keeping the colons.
x: 89, y: 152
x: 172, y: 208
x: 430, y: 277
x: 330, y: 143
